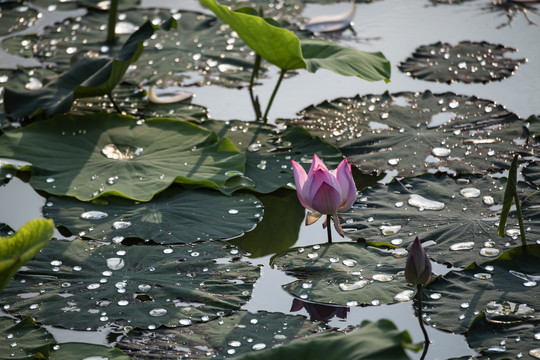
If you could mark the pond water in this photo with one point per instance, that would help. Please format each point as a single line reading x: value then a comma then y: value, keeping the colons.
x: 394, y: 27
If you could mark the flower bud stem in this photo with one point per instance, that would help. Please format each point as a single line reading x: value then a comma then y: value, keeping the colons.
x: 420, y: 321
x: 329, y: 228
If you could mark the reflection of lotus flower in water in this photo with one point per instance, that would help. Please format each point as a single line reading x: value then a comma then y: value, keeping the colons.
x: 325, y: 192
x: 320, y: 312
x: 418, y: 267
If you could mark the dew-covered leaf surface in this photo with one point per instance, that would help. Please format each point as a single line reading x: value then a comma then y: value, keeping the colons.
x: 86, y: 351
x: 379, y: 340
x: 277, y: 231
x: 65, y: 5
x: 413, y: 133
x: 533, y: 123
x: 97, y: 154
x: 19, y: 248
x: 223, y: 338
x: 16, y: 16
x: 173, y: 216
x: 346, y: 274
x: 269, y: 153
x: 83, y: 286
x: 459, y: 216
x: 511, y: 9
x: 467, y: 62
x: 21, y: 45
x: 190, y: 55
x: 504, y: 289
x: 532, y: 173
x: 495, y: 341
x: 22, y: 339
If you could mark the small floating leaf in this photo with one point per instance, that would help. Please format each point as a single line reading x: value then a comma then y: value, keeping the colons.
x: 468, y: 62
x: 229, y: 337
x: 23, y: 339
x: 187, y: 282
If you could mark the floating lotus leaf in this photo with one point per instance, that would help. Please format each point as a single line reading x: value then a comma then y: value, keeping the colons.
x: 379, y: 340
x: 23, y: 339
x: 85, y: 351
x: 21, y: 45
x: 269, y: 153
x: 346, y: 274
x: 433, y: 132
x: 504, y: 289
x: 190, y: 55
x: 512, y: 8
x: 108, y: 154
x: 467, y: 62
x: 276, y: 232
x: 459, y: 216
x: 84, y: 286
x: 16, y: 16
x: 532, y: 173
x: 494, y: 340
x: 229, y: 337
x: 173, y: 216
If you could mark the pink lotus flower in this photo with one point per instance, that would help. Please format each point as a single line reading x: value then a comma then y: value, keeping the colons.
x: 325, y: 192
x: 418, y: 266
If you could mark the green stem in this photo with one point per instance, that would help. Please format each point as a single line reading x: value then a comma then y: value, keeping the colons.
x: 116, y: 107
x: 111, y: 26
x: 281, y: 75
x: 254, y: 100
x: 421, y: 322
x: 329, y: 228
x: 520, y: 220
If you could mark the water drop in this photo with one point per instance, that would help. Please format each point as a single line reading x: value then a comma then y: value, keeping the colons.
x: 115, y: 263
x: 144, y: 288
x: 234, y: 343
x: 470, y: 192
x: 93, y: 286
x: 123, y: 302
x: 405, y: 295
x: 233, y: 211
x: 353, y: 286
x: 254, y: 147
x: 466, y: 245
x: 50, y: 180
x: 382, y: 277
x: 489, y: 252
x: 453, y: 104
x: 424, y: 204
x: 390, y: 229
x: 94, y: 215
x: 117, y: 225
x: 232, y: 173
x: 435, y: 296
x: 393, y: 162
x: 482, y: 276
x: 56, y: 263
x: 258, y: 346
x: 158, y: 312
x: 349, y: 262
x: 399, y: 204
x: 441, y: 152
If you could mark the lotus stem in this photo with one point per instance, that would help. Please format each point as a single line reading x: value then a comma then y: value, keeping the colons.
x: 254, y: 100
x: 281, y: 75
x: 111, y: 26
x: 329, y: 228
x: 116, y: 107
x: 421, y: 322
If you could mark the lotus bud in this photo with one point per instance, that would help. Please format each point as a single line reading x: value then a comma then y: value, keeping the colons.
x: 418, y: 267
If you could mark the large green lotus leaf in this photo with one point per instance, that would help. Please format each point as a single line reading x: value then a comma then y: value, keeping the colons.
x: 434, y: 132
x: 379, y: 340
x: 229, y: 337
x: 16, y: 16
x: 320, y: 54
x: 82, y: 286
x: 276, y: 45
x: 494, y: 340
x: 86, y: 78
x: 459, y: 216
x: 201, y: 51
x: 504, y: 289
x: 19, y: 248
x: 173, y: 216
x: 23, y: 339
x: 277, y: 231
x: 269, y: 153
x: 468, y: 62
x: 86, y: 352
x: 346, y: 274
x: 108, y: 154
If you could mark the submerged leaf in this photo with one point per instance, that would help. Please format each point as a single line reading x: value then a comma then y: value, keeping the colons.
x: 172, y: 216
x: 229, y: 337
x: 346, y: 274
x: 379, y: 340
x: 93, y: 155
x: 86, y: 285
x: 17, y: 249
